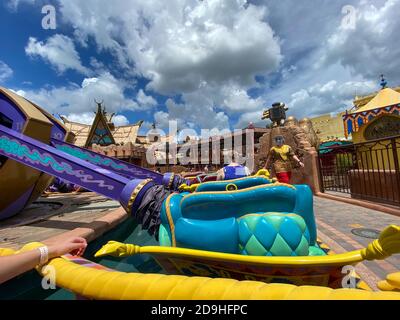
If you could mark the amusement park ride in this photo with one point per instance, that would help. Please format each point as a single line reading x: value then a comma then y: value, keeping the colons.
x: 246, y: 229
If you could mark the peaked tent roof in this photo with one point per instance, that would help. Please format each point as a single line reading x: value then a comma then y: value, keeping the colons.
x: 121, y: 134
x: 80, y: 130
x: 126, y: 134
x: 386, y: 97
x: 100, y: 121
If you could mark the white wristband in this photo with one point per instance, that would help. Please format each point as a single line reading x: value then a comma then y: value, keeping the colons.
x: 44, y: 255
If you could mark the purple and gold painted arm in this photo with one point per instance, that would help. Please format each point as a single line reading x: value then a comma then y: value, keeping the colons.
x: 135, y: 195
x: 123, y: 168
x: 45, y: 158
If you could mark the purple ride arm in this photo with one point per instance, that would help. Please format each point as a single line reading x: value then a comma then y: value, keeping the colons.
x: 120, y: 167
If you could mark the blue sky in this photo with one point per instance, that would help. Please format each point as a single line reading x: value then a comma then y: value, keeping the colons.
x: 207, y: 64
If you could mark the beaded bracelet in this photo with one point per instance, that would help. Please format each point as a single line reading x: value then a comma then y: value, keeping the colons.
x: 44, y: 255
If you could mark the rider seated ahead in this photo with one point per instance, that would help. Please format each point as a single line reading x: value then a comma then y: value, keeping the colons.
x: 234, y: 170
x: 280, y: 155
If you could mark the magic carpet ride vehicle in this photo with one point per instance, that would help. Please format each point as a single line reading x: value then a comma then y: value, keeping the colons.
x: 258, y: 230
x: 246, y: 229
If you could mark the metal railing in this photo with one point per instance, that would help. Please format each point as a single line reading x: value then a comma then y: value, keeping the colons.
x: 369, y: 170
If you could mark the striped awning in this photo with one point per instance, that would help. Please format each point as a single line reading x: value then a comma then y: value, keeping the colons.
x: 354, y: 121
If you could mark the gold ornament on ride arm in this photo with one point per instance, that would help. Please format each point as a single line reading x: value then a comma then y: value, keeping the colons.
x: 387, y: 245
x: 118, y: 250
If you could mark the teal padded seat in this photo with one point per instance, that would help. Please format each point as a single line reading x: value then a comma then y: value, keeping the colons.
x: 242, y: 183
x: 273, y: 234
x: 279, y: 217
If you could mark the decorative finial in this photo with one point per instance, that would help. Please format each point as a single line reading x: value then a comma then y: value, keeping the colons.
x: 383, y: 82
x: 277, y: 114
x: 99, y: 103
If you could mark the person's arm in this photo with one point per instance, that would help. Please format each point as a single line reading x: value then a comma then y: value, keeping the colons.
x: 298, y: 161
x: 220, y: 175
x: 14, y: 265
x: 268, y: 161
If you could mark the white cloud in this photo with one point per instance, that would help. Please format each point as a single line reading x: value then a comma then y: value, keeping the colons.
x: 120, y: 120
x: 88, y: 118
x: 145, y: 101
x: 187, y: 48
x: 237, y: 99
x: 180, y: 44
x: 314, y: 100
x: 84, y: 118
x: 207, y: 53
x: 246, y: 118
x: 329, y: 97
x: 89, y: 81
x: 75, y: 99
x: 22, y: 93
x: 59, y: 51
x: 192, y: 115
x: 371, y: 48
x: 13, y: 4
x: 5, y: 71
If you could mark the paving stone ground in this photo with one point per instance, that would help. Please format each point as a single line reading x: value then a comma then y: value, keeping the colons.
x: 336, y: 220
x: 52, y: 216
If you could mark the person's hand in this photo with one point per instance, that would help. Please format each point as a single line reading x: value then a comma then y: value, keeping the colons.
x: 75, y: 246
x: 301, y: 164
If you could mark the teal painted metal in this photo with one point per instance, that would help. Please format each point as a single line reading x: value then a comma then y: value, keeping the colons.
x: 210, y: 220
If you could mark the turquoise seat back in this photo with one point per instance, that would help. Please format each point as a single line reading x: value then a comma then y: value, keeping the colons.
x: 239, y: 184
x: 211, y: 221
x: 273, y: 234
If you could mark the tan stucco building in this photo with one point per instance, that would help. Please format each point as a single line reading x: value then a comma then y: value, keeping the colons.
x: 328, y: 127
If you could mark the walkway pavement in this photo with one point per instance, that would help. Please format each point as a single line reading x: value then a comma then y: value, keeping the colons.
x: 55, y: 215
x: 336, y: 220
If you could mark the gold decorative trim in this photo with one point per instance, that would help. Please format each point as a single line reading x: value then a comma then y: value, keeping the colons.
x: 170, y: 220
x: 136, y: 192
x: 231, y: 187
x: 278, y: 184
x: 237, y: 180
x: 171, y: 180
x: 268, y: 214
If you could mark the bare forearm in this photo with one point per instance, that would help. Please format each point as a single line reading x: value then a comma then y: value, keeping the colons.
x: 298, y: 161
x: 220, y: 175
x: 12, y: 266
x: 267, y: 163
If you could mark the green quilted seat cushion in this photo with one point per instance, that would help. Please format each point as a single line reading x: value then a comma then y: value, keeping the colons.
x: 316, y: 251
x: 273, y: 234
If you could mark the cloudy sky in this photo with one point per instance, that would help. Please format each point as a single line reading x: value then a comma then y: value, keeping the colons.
x: 204, y: 63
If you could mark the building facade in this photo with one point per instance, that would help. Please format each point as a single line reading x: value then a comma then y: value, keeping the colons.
x: 103, y: 137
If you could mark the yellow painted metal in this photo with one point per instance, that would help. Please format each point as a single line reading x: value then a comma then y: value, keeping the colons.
x: 192, y: 188
x: 392, y: 283
x: 387, y: 245
x: 263, y: 173
x: 105, y: 285
x: 16, y: 178
x: 185, y: 188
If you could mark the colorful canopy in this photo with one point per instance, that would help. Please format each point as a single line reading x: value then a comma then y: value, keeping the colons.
x: 387, y: 101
